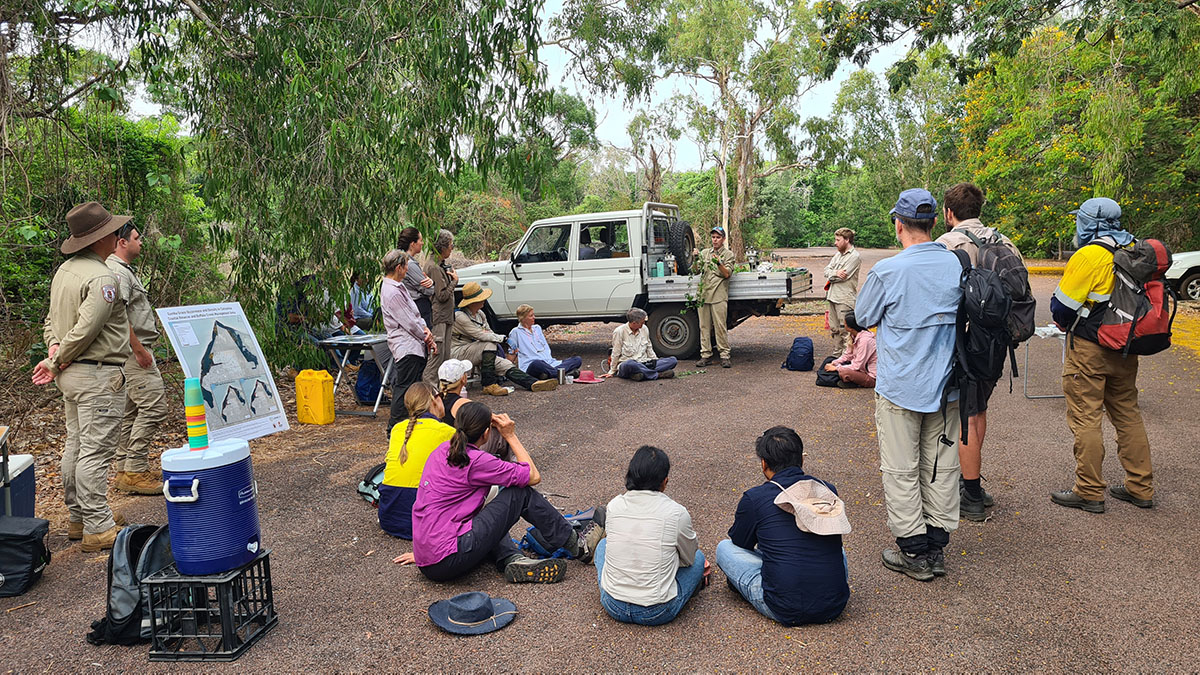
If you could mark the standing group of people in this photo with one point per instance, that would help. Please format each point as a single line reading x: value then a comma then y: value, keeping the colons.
x: 100, y: 334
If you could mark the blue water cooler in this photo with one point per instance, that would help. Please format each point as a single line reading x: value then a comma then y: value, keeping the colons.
x: 211, y: 507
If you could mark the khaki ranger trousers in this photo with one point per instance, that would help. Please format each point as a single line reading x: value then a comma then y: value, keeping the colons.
x: 441, y: 335
x: 837, y: 327
x: 908, y: 451
x: 94, y: 399
x: 145, y: 411
x: 714, y: 318
x: 1096, y: 380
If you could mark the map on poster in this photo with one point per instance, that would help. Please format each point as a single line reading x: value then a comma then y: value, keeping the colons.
x: 216, y: 344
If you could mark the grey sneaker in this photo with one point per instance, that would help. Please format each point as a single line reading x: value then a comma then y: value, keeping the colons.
x: 916, y: 567
x: 666, y: 375
x: 1069, y: 499
x: 704, y: 361
x: 637, y: 377
x: 529, y: 570
x: 937, y: 562
x: 971, y: 508
x: 726, y: 363
x: 1121, y: 493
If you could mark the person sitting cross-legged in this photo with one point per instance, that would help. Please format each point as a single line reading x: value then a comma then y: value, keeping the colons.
x: 533, y: 352
x: 633, y: 356
x: 411, y: 443
x: 789, y: 575
x: 454, y: 530
x: 856, y: 366
x: 473, y: 340
x: 648, y: 565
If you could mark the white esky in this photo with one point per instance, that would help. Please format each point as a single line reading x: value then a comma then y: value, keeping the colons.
x: 614, y: 113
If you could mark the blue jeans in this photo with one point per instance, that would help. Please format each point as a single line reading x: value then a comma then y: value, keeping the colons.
x: 544, y: 371
x: 743, y: 569
x: 628, y: 368
x: 687, y: 582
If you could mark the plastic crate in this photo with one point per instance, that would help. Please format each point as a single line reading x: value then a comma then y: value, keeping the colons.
x: 210, y: 618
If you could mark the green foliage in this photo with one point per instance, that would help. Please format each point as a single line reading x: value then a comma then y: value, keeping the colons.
x: 482, y: 222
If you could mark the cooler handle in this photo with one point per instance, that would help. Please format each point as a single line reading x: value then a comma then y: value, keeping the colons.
x: 181, y: 481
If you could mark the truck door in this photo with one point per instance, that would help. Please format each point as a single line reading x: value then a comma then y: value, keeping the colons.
x: 605, y: 276
x: 540, y: 274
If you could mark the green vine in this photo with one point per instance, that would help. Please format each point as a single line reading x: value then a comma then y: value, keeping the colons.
x: 700, y: 266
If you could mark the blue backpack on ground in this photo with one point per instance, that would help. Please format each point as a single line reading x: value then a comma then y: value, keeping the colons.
x: 801, y: 355
x: 534, y: 546
x: 366, y: 387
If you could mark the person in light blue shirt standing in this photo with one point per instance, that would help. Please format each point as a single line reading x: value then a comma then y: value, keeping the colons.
x: 533, y: 351
x: 362, y: 301
x: 913, y: 298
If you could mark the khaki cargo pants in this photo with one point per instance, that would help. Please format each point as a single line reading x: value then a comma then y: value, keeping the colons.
x: 908, y: 450
x: 714, y: 318
x: 837, y: 327
x: 145, y: 411
x: 1096, y: 380
x: 94, y: 399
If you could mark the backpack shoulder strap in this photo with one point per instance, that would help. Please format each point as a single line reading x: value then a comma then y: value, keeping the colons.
x: 963, y: 258
x: 1107, y: 246
x: 974, y: 240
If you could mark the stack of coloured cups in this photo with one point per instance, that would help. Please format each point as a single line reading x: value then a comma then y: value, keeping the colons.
x: 197, y: 425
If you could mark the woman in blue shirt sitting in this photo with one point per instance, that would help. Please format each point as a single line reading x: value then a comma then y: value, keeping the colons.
x: 533, y: 352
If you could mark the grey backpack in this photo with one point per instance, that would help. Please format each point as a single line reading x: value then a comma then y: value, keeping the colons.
x: 138, y: 552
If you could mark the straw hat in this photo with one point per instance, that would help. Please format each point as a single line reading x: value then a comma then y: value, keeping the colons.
x: 89, y: 223
x: 473, y: 292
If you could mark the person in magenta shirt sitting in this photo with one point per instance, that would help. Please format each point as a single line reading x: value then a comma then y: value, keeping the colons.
x: 454, y: 530
x: 856, y: 366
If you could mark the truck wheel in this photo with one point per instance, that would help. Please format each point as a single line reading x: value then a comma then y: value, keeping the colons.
x: 681, y: 241
x: 673, y: 333
x: 1189, y: 288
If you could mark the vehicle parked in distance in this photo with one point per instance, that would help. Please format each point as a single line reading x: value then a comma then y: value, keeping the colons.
x: 1184, y: 274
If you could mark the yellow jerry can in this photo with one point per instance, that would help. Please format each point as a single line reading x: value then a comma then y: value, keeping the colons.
x: 314, y: 397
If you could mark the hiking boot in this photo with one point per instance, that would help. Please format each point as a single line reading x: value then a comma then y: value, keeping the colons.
x: 529, y: 570
x: 1121, y: 493
x: 971, y: 508
x: 937, y: 562
x: 75, y: 529
x: 637, y: 377
x: 704, y: 361
x: 578, y: 547
x: 666, y: 375
x: 145, y: 483
x: 100, y: 542
x: 987, y: 496
x: 726, y: 363
x: 593, y: 537
x: 544, y: 385
x: 1071, y: 500
x: 495, y: 390
x: 916, y: 567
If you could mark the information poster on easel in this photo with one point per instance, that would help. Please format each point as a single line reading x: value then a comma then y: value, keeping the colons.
x: 216, y: 344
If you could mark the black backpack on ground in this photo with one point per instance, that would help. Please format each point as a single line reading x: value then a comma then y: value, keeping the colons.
x: 138, y: 552
x: 23, y: 553
x: 826, y: 378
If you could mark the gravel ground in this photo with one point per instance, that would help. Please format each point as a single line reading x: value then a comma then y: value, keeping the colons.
x: 1037, y: 587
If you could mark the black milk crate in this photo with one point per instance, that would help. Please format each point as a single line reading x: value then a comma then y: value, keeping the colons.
x: 210, y: 618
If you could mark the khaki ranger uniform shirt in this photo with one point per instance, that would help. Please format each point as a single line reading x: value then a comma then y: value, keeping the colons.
x: 843, y: 291
x: 716, y: 287
x: 957, y: 239
x: 87, y: 318
x: 137, y: 305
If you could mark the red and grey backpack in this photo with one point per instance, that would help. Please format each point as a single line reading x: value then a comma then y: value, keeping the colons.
x: 1138, y: 316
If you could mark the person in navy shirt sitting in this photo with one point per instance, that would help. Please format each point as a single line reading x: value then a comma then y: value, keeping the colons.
x: 789, y: 575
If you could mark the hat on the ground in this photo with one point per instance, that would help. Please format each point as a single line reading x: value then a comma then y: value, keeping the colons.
x: 473, y: 292
x: 452, y: 370
x: 817, y: 509
x: 89, y: 223
x: 718, y: 229
x: 915, y: 203
x: 588, y: 377
x: 472, y: 613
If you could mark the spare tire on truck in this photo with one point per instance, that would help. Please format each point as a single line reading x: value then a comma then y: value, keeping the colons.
x: 674, y: 331
x: 681, y: 241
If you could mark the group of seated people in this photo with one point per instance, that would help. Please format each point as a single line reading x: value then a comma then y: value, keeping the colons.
x: 458, y: 479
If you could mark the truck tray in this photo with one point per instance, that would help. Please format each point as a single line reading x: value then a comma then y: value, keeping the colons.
x: 742, y: 286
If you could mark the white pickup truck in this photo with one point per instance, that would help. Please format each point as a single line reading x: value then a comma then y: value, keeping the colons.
x: 596, y: 266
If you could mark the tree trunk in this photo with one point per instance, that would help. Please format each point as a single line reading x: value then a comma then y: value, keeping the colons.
x: 745, y: 174
x: 654, y: 177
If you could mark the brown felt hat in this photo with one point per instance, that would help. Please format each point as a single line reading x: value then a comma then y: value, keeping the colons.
x: 90, y: 223
x: 473, y: 292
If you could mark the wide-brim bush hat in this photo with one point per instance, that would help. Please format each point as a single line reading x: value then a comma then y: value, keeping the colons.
x: 817, y: 509
x: 89, y: 223
x: 473, y: 613
x: 588, y: 377
x: 473, y: 292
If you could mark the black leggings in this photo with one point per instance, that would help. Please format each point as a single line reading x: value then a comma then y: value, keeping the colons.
x: 406, y: 371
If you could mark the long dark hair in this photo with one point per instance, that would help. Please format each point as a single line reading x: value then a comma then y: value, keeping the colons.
x: 470, y: 423
x: 407, y: 237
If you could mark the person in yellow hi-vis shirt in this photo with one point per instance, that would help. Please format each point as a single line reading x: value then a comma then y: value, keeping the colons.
x: 717, y: 265
x: 411, y: 442
x: 1095, y: 379
x: 87, y: 334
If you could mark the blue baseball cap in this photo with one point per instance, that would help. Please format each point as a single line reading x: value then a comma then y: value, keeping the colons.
x: 915, y: 203
x: 718, y: 229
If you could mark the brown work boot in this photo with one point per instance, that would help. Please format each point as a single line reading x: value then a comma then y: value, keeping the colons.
x: 75, y: 529
x: 102, y: 541
x: 144, y: 483
x: 544, y: 385
x: 495, y: 390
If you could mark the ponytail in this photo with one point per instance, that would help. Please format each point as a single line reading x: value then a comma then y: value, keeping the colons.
x: 417, y: 400
x: 471, y: 422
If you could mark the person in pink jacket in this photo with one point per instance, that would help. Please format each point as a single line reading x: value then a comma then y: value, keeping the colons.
x: 856, y: 367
